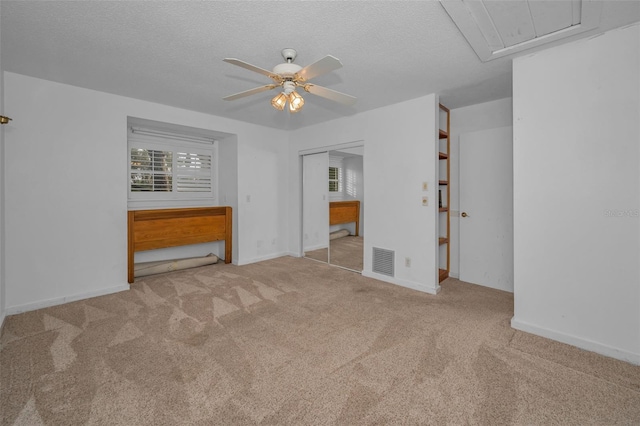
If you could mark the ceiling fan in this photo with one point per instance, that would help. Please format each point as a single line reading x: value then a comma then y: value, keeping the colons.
x: 290, y: 76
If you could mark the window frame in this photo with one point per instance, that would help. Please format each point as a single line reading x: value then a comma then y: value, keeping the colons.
x: 336, y: 163
x: 165, y: 141
x: 335, y: 181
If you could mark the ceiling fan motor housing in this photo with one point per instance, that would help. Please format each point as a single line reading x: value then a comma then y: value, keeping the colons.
x: 286, y: 70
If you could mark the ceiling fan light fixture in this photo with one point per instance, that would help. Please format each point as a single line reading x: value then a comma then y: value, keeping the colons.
x: 290, y: 76
x: 279, y: 101
x: 296, y: 102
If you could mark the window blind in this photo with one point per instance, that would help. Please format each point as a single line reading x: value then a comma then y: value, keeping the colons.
x: 167, y: 166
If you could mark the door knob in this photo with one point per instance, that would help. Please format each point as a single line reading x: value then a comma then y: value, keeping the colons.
x: 464, y: 214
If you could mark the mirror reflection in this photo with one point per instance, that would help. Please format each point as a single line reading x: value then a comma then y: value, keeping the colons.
x: 346, y: 208
x: 315, y: 206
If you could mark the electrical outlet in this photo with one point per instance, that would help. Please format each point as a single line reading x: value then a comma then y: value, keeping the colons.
x: 407, y: 262
x: 425, y: 201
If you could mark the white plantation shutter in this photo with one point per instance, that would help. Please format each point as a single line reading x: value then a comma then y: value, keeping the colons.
x: 335, y: 174
x: 193, y: 172
x: 171, y: 168
x: 334, y: 181
x: 151, y: 170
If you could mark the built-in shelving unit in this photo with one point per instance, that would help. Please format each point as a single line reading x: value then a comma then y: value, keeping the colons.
x: 444, y: 149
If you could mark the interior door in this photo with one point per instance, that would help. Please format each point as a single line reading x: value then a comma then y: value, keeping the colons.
x: 315, y: 206
x: 486, y: 208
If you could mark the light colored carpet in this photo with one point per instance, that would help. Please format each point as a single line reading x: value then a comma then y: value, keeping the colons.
x: 321, y: 255
x: 294, y: 341
x: 347, y: 252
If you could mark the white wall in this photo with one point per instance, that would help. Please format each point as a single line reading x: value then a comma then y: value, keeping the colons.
x: 65, y: 212
x: 399, y: 154
x: 2, y: 269
x: 488, y: 115
x: 577, y: 193
x: 263, y: 178
x: 228, y: 181
x: 315, y: 202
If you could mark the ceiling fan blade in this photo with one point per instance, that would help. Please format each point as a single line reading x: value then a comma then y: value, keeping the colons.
x: 322, y: 66
x: 330, y: 94
x: 250, y: 92
x: 250, y: 67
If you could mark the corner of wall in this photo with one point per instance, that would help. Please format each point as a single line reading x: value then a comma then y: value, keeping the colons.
x: 424, y: 288
x: 2, y: 168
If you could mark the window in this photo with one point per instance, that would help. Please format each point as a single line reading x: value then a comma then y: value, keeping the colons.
x: 151, y: 170
x: 334, y: 179
x: 335, y: 175
x: 170, y: 167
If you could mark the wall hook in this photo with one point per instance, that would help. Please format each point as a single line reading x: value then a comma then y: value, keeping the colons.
x: 4, y: 120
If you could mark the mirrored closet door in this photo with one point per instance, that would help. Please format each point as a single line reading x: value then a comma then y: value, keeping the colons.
x: 346, y: 208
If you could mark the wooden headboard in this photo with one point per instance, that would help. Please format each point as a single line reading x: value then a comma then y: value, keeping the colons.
x: 345, y: 212
x: 154, y: 229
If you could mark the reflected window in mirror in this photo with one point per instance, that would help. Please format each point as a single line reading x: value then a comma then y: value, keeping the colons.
x: 352, y: 184
x: 336, y: 179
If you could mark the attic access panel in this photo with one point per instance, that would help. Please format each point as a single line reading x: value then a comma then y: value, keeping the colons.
x: 495, y: 28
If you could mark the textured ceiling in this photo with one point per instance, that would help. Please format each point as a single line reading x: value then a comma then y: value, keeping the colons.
x: 171, y: 52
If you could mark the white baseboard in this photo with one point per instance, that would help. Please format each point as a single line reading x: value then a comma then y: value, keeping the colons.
x: 13, y: 310
x: 262, y: 258
x: 2, y: 317
x: 317, y: 247
x: 403, y: 283
x: 578, y: 342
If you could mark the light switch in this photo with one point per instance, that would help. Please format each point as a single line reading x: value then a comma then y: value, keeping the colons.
x: 425, y: 201
x: 424, y: 186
